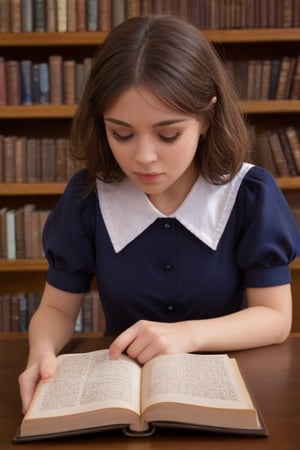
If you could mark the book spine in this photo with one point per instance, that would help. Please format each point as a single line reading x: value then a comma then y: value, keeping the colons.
x: 47, y: 160
x: 26, y: 82
x: 92, y: 15
x: 10, y: 234
x: 15, y: 16
x: 81, y: 15
x: 9, y: 159
x: 13, y: 80
x: 20, y: 160
x: 3, y: 86
x: 61, y: 15
x: 44, y: 84
x: 39, y: 12
x: 71, y: 15
x: 118, y: 12
x: 61, y: 159
x: 5, y: 16
x: 51, y: 16
x: 105, y: 15
x: 3, y: 234
x: 32, y: 161
x: 132, y: 8
x: 20, y: 239
x: 1, y: 159
x: 294, y: 142
x: 27, y: 15
x: 69, y: 82
x: 56, y: 79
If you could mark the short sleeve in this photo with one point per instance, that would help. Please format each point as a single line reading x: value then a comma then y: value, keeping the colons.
x: 270, y: 237
x: 68, y: 238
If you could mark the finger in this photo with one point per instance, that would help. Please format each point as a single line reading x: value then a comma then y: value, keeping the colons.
x: 27, y: 382
x: 122, y: 342
x: 48, y: 366
x: 146, y: 354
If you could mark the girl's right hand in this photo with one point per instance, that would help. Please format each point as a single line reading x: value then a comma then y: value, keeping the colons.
x: 44, y: 368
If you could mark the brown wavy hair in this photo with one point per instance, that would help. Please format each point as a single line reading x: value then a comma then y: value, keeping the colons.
x: 176, y: 62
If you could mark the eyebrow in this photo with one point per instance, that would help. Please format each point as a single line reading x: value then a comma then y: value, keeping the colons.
x: 163, y: 123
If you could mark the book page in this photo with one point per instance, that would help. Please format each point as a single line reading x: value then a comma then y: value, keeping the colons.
x: 207, y: 380
x: 88, y: 381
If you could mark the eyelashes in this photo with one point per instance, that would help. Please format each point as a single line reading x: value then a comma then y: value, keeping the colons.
x: 167, y: 139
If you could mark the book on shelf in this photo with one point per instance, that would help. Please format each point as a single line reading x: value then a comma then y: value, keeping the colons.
x: 287, y: 150
x: 105, y: 15
x: 16, y: 311
x: 33, y: 160
x: 87, y: 15
x: 3, y: 91
x: 294, y: 142
x: 278, y: 154
x: 197, y: 391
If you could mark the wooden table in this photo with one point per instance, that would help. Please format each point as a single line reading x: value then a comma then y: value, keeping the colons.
x: 272, y: 373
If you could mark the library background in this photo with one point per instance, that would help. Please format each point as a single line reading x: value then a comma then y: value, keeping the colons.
x: 46, y: 47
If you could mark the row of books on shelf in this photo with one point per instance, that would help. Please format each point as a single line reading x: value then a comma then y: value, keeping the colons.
x: 56, y: 81
x: 16, y: 311
x: 102, y: 15
x: 46, y: 160
x: 278, y: 151
x: 62, y: 81
x: 21, y: 231
x: 33, y: 160
x: 277, y: 79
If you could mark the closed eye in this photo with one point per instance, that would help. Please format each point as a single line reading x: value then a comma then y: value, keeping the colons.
x: 170, y: 139
x: 121, y: 137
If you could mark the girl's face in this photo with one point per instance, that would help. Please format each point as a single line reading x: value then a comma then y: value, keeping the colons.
x: 154, y: 145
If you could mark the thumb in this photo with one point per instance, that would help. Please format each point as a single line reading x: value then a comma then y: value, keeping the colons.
x: 48, y: 366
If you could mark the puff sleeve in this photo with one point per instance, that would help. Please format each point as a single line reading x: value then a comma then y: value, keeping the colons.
x: 270, y: 239
x: 68, y: 239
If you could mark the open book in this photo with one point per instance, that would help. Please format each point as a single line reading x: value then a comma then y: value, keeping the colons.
x: 90, y: 392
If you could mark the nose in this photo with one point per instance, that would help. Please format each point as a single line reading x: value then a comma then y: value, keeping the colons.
x: 145, y: 151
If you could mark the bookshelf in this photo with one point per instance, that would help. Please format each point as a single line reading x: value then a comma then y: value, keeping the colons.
x: 29, y: 274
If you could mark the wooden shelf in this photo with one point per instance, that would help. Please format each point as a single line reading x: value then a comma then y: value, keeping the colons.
x: 296, y: 264
x: 37, y: 111
x: 23, y: 265
x: 271, y: 106
x: 289, y: 183
x: 94, y: 38
x: 254, y: 35
x: 12, y: 189
x: 34, y: 39
x: 67, y: 111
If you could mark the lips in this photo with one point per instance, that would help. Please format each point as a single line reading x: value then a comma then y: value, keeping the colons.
x: 147, y: 177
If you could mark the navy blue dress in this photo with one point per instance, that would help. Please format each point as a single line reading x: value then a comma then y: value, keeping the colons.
x: 166, y: 273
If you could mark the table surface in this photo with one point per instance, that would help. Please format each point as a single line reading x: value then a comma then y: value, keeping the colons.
x: 272, y: 374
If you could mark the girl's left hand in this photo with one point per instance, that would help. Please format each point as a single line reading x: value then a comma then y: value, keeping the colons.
x: 145, y: 339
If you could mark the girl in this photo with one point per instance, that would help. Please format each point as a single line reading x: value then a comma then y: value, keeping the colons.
x: 189, y: 244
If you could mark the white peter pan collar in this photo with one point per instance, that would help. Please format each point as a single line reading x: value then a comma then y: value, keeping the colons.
x: 127, y: 211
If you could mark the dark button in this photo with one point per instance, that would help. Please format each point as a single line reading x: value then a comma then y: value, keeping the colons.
x: 170, y: 308
x: 168, y: 266
x: 167, y: 226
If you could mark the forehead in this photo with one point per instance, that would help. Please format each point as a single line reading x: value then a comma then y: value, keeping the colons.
x: 140, y: 104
